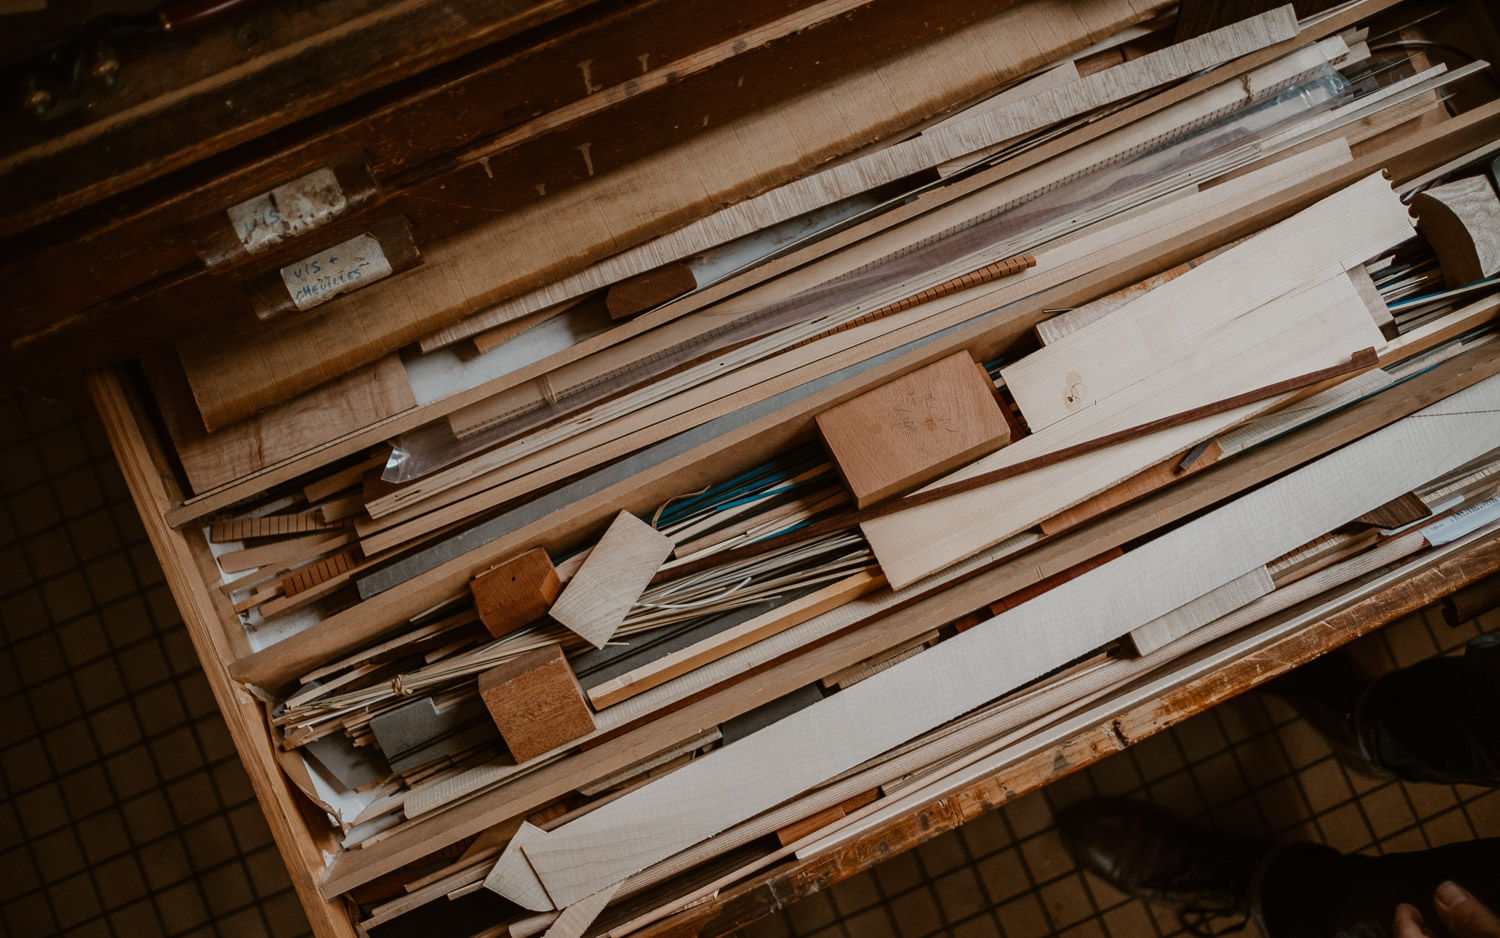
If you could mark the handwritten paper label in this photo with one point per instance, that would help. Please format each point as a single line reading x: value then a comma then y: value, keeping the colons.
x: 339, y: 269
x: 287, y: 210
x: 1464, y: 522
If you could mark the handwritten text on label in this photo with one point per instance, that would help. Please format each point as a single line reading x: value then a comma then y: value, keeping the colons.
x: 339, y: 269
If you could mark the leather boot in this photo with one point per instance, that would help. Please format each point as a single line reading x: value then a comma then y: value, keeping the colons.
x: 1151, y: 854
x: 1325, y: 692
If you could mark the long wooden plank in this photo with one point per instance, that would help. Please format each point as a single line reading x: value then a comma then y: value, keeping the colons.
x: 1406, y: 159
x: 1052, y: 96
x: 620, y: 362
x: 715, y: 647
x: 764, y: 769
x: 557, y: 235
x: 665, y: 716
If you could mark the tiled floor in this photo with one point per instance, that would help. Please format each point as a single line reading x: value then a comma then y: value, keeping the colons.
x: 125, y: 811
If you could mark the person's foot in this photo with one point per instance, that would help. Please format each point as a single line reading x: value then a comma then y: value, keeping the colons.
x: 1324, y: 693
x: 1151, y: 854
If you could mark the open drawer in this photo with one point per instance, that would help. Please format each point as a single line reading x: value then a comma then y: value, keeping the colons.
x: 1130, y: 698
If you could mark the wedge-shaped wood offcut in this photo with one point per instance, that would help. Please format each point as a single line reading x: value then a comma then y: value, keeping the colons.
x: 596, y: 600
x: 1206, y: 608
x: 536, y: 702
x: 914, y: 429
x: 1462, y: 220
x: 517, y: 592
x: 813, y: 745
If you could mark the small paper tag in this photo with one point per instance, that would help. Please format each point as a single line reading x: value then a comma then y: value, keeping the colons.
x: 1464, y: 522
x: 274, y: 216
x: 339, y: 269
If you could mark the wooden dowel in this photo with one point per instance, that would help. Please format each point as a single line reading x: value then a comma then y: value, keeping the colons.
x: 1361, y: 360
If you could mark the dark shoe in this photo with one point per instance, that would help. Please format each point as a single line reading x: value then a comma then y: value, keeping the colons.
x: 1151, y: 854
x: 1324, y: 692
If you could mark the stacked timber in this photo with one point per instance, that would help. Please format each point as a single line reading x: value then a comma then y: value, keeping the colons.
x: 701, y: 481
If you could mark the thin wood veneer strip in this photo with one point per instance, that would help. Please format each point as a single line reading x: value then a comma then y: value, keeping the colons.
x: 1358, y: 362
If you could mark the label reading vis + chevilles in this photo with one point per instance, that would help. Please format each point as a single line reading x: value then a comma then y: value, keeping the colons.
x: 339, y: 269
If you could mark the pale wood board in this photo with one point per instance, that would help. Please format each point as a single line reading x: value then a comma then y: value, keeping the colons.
x: 1302, y: 331
x: 347, y: 404
x: 1054, y: 95
x: 1175, y: 668
x: 598, y: 597
x: 1080, y: 369
x: 1217, y: 602
x: 576, y: 918
x: 237, y: 373
x: 816, y: 743
x: 966, y: 586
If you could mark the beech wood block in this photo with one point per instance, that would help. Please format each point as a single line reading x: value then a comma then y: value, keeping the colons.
x: 536, y: 702
x: 599, y: 596
x: 914, y: 429
x: 1462, y: 221
x: 517, y: 592
x: 649, y: 290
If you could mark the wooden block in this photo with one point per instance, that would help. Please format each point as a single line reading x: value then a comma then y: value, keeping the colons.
x: 600, y: 594
x: 1462, y: 221
x: 1397, y: 512
x: 650, y: 289
x: 914, y: 429
x: 536, y: 702
x: 517, y: 592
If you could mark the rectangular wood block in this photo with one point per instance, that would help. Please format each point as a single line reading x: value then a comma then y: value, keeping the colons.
x: 536, y: 702
x: 517, y: 592
x: 914, y: 429
x: 613, y: 577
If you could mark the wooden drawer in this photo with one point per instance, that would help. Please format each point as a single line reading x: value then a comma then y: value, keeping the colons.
x: 303, y: 836
x: 574, y: 516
